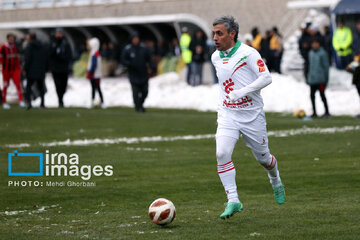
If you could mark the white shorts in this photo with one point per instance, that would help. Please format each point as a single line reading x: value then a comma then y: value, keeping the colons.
x: 254, y: 133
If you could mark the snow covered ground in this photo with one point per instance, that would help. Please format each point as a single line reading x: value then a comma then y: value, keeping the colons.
x: 285, y: 94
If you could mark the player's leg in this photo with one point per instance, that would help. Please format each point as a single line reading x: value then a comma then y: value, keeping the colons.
x: 189, y: 73
x: 16, y: 79
x: 93, y: 87
x: 255, y: 137
x: 6, y: 82
x: 99, y: 90
x: 28, y: 92
x: 136, y: 98
x: 323, y: 98
x: 144, y: 92
x: 313, y: 89
x: 225, y: 166
x: 63, y: 84
x: 41, y: 85
x: 269, y: 162
x: 57, y: 81
x: 225, y: 143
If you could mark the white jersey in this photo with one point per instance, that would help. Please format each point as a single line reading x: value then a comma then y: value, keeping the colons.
x: 239, y: 68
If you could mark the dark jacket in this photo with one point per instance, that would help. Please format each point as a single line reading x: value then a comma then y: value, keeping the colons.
x: 198, y: 57
x: 138, y: 61
x: 60, y: 56
x: 318, y: 67
x: 35, y: 60
x: 328, y: 43
x: 305, y: 45
x: 356, y: 43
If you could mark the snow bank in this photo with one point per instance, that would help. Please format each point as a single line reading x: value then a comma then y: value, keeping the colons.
x: 285, y: 94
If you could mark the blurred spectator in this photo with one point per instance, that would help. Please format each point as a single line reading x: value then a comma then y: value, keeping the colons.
x: 276, y: 49
x: 356, y: 43
x: 248, y: 39
x: 211, y: 48
x: 174, y: 49
x: 198, y: 49
x: 315, y: 34
x: 305, y: 47
x: 257, y: 39
x: 327, y: 43
x: 266, y: 50
x: 105, y: 56
x: 35, y: 67
x: 150, y: 45
x: 161, y: 49
x: 113, y: 58
x: 186, y: 53
x: 318, y: 74
x: 171, y: 62
x: 60, y: 57
x: 79, y: 50
x: 258, y: 42
x: 354, y: 66
x: 109, y: 54
x: 136, y: 57
x: 93, y: 72
x: 27, y: 40
x: 11, y: 69
x: 104, y: 51
x: 342, y: 41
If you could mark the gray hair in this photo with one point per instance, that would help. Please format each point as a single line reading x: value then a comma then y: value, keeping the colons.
x: 230, y: 24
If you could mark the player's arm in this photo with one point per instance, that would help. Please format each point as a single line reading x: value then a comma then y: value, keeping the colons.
x: 258, y: 66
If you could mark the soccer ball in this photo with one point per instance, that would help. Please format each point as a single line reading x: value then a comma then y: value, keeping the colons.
x: 162, y: 211
x: 300, y: 113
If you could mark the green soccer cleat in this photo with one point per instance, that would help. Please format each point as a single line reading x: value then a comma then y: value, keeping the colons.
x: 231, y: 209
x: 279, y: 193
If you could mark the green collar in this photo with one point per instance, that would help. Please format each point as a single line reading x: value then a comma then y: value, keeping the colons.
x: 233, y: 50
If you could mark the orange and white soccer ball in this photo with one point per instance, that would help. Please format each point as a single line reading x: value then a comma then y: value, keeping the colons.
x: 162, y: 211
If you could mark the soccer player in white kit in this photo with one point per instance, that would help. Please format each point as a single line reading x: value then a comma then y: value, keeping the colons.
x: 242, y: 74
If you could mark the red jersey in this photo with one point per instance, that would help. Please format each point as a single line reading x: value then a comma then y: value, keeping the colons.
x: 9, y: 58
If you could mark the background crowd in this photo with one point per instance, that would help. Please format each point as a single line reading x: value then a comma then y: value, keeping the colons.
x: 320, y: 49
x: 27, y: 61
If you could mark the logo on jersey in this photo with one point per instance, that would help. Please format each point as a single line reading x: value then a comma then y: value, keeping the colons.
x: 228, y: 86
x: 240, y: 66
x: 261, y: 65
x: 241, y: 103
x: 225, y: 60
x: 241, y: 59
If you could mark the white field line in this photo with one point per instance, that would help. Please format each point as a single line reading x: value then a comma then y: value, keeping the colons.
x: 279, y: 133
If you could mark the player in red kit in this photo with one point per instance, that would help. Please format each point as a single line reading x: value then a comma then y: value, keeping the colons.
x: 10, y: 69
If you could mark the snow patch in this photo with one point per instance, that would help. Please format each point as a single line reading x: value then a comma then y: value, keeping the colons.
x: 30, y: 212
x: 142, y: 149
x: 285, y: 94
x: 279, y: 133
x: 307, y: 130
x: 21, y: 145
x: 254, y: 234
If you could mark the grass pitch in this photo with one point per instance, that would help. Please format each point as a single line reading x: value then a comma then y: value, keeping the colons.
x: 321, y: 173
